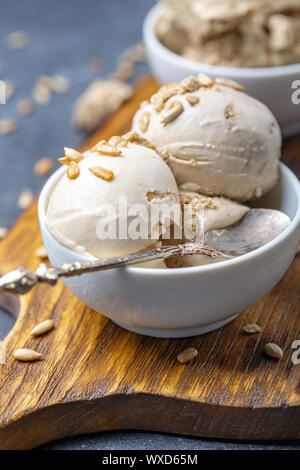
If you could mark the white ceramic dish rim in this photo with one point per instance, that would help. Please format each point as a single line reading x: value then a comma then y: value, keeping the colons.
x: 242, y: 72
x: 222, y: 265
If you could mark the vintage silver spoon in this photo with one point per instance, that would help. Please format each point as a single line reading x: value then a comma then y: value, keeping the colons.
x: 255, y: 229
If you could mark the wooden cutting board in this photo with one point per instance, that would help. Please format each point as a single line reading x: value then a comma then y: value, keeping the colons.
x: 96, y: 376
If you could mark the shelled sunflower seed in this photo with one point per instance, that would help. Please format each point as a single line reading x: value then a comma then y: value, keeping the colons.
x: 27, y: 355
x: 187, y: 355
x: 43, y: 166
x: 18, y: 40
x: 25, y: 107
x: 7, y: 126
x: 25, y: 199
x: 43, y: 327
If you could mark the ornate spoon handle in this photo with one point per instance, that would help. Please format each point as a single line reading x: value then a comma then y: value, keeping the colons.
x: 22, y: 280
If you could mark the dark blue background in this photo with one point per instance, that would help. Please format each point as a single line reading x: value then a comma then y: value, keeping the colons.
x: 65, y: 34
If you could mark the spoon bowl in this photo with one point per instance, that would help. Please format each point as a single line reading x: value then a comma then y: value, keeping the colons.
x: 256, y: 228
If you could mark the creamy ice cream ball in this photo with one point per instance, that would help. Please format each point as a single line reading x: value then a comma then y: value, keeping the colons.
x: 217, y: 140
x: 86, y: 199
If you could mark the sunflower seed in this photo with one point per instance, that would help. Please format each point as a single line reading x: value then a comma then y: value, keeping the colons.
x: 73, y: 171
x: 192, y: 100
x: 252, y: 328
x: 205, y: 80
x: 43, y: 328
x: 102, y: 173
x: 25, y: 199
x: 59, y: 84
x: 187, y: 355
x: 73, y: 155
x: 43, y: 166
x: 172, y: 112
x: 229, y: 83
x: 7, y: 126
x: 27, y: 355
x: 190, y: 84
x: 25, y: 107
x: 3, y: 232
x: 41, y: 252
x: 17, y: 40
x: 273, y: 350
x: 2, y: 352
x: 41, y: 94
x: 144, y: 121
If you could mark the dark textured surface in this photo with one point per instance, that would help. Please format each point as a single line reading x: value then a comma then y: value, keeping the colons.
x: 65, y: 34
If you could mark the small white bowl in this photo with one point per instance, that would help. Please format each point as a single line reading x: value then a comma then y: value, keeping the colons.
x: 271, y: 85
x: 187, y: 301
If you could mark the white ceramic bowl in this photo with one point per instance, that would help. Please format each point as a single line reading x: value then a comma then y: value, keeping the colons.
x: 271, y: 85
x: 186, y: 301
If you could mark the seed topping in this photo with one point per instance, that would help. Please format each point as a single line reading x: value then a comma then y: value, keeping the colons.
x: 192, y: 99
x: 172, y: 112
x: 73, y: 171
x: 144, y: 121
x: 102, y: 173
x: 229, y: 83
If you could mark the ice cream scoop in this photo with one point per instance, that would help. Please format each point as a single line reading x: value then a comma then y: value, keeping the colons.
x: 217, y: 140
x: 103, y: 201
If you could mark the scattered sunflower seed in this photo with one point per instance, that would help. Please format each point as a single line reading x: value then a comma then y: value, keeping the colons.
x: 18, y: 40
x: 3, y: 232
x: 2, y: 352
x: 7, y: 126
x: 43, y: 166
x: 41, y: 94
x: 59, y: 84
x: 43, y: 328
x: 252, y: 328
x: 41, y: 252
x: 27, y: 355
x: 273, y: 350
x: 25, y: 199
x: 101, y: 98
x: 187, y: 355
x: 25, y: 107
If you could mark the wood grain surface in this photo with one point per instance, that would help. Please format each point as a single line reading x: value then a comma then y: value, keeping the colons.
x: 96, y: 376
